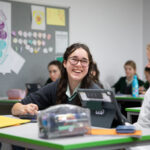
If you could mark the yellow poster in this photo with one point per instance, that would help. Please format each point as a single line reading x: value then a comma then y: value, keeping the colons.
x: 56, y: 16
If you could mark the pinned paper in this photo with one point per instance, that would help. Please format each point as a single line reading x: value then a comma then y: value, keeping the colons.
x: 48, y: 36
x: 34, y: 34
x: 29, y: 34
x: 43, y: 43
x: 39, y: 34
x: 14, y: 62
x: 25, y: 42
x: 15, y: 40
x: 30, y: 42
x: 39, y: 42
x: 56, y: 16
x: 20, y: 41
x: 50, y: 49
x: 61, y: 41
x: 38, y: 17
x: 13, y: 33
x: 44, y: 35
x: 45, y: 51
x: 27, y: 47
x: 20, y: 33
x: 34, y: 42
x: 31, y: 50
x: 24, y: 34
x: 5, y: 35
x: 36, y: 50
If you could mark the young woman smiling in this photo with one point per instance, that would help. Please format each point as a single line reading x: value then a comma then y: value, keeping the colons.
x: 77, y: 64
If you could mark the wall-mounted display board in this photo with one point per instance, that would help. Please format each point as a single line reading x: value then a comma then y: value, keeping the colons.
x: 31, y: 36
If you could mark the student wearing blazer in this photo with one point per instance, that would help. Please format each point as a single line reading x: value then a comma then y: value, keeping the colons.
x: 76, y: 72
x: 124, y: 84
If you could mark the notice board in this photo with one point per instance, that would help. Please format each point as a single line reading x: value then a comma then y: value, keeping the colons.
x: 31, y: 36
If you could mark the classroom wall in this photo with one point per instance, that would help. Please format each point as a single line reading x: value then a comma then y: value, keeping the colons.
x: 111, y: 28
x: 146, y: 28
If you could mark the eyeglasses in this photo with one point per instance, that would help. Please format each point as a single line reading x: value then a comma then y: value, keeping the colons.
x: 74, y: 61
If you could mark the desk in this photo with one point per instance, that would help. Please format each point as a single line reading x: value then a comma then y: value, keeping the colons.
x: 129, y: 98
x: 27, y: 135
x: 133, y: 111
x: 6, y: 104
x: 126, y: 101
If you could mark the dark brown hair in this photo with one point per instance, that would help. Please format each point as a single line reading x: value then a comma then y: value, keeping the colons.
x: 62, y: 85
x: 56, y: 63
x: 96, y: 76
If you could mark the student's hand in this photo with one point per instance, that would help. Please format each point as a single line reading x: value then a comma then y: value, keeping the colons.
x: 20, y: 109
x: 141, y: 90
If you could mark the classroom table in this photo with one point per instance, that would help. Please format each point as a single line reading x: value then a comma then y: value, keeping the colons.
x: 127, y: 98
x: 26, y: 135
x: 132, y: 111
x: 6, y: 105
x: 126, y: 101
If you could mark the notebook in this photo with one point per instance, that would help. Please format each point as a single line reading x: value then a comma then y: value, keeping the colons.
x: 8, y: 121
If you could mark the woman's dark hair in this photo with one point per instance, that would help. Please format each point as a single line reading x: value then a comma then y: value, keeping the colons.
x: 94, y: 68
x: 96, y: 76
x: 56, y: 63
x: 62, y: 85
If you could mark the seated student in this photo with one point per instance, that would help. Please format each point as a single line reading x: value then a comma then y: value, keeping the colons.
x: 124, y: 84
x: 95, y: 75
x: 54, y: 69
x: 76, y: 69
x: 146, y: 85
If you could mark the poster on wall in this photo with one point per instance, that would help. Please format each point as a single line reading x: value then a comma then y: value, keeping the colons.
x: 38, y: 17
x: 9, y: 59
x: 61, y: 38
x: 55, y: 16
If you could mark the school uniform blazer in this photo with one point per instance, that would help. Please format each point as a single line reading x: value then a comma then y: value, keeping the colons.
x: 46, y: 96
x: 122, y: 87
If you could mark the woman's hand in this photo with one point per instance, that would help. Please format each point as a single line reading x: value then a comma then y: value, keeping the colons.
x: 20, y: 109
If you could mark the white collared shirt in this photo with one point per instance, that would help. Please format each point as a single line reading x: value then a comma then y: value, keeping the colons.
x: 68, y: 93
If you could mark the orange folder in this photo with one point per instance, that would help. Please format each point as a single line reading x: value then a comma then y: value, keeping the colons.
x: 92, y: 131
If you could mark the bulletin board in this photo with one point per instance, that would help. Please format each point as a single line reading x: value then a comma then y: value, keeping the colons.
x: 31, y: 36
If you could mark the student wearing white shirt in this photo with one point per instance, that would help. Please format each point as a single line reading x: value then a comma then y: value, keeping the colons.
x: 144, y: 116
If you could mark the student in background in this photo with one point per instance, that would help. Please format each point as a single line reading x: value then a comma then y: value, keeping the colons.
x: 54, y: 69
x: 95, y: 75
x: 124, y: 84
x: 76, y: 72
x: 146, y: 85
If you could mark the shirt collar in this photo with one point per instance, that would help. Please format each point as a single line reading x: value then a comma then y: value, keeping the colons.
x: 75, y: 90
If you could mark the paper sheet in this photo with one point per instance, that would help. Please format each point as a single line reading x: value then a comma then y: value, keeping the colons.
x: 38, y: 17
x: 61, y: 41
x: 56, y: 16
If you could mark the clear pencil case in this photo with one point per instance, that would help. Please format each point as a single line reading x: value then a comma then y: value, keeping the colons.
x: 63, y: 120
